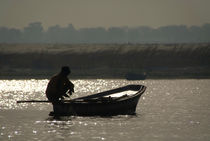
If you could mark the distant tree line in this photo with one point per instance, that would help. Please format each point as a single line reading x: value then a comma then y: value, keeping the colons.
x: 34, y: 33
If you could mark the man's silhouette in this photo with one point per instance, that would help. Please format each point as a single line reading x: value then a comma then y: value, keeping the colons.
x: 59, y: 85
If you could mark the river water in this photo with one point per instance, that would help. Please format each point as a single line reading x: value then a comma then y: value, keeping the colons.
x: 175, y: 110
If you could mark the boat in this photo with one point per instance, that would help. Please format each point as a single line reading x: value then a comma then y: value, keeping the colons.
x: 119, y: 101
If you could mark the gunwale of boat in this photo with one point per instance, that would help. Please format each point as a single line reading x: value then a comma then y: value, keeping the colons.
x: 138, y: 89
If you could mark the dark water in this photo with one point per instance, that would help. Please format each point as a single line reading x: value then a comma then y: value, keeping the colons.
x: 169, y: 110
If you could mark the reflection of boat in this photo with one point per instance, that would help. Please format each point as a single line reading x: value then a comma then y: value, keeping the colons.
x: 119, y: 101
x: 134, y: 76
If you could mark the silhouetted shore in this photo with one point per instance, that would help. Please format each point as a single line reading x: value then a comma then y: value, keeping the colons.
x: 154, y: 61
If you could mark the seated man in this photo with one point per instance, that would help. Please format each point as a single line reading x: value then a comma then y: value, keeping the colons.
x: 59, y: 85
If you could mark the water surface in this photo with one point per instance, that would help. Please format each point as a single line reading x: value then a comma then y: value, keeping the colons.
x: 168, y: 110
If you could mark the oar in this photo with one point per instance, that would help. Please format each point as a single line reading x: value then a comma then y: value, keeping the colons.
x: 33, y: 101
x: 41, y: 101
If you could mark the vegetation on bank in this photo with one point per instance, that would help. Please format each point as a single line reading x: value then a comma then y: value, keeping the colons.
x: 106, y: 60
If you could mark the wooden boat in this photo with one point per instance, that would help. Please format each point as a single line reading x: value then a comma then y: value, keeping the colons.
x: 102, y: 104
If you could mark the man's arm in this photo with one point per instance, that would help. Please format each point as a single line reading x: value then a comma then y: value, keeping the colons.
x: 70, y: 86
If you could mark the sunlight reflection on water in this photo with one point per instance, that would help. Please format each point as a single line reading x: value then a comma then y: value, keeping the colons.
x: 168, y: 110
x: 15, y: 90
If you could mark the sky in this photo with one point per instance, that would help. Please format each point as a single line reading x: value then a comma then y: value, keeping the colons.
x: 104, y: 13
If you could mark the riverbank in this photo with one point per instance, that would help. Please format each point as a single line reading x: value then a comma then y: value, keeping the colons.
x: 154, y: 61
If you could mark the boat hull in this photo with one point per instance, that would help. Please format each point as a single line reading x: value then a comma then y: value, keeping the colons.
x: 98, y: 106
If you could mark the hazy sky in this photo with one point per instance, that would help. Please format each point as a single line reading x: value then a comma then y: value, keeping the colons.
x: 104, y: 13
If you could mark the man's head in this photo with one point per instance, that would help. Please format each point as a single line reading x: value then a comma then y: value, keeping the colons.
x: 65, y: 70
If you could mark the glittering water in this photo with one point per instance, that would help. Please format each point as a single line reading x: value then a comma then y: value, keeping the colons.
x: 169, y: 110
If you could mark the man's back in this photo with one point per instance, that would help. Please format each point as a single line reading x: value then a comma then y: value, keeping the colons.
x: 52, y: 90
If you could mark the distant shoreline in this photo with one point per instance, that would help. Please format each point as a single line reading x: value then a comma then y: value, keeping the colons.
x: 155, y: 75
